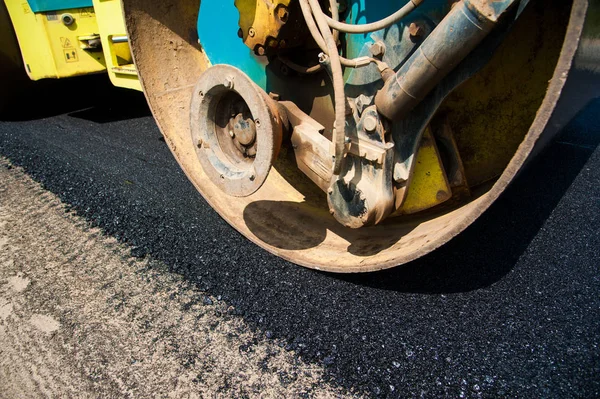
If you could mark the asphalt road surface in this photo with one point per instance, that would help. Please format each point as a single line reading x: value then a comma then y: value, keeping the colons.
x: 509, y: 308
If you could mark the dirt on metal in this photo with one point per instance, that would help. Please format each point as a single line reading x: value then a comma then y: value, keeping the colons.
x: 80, y: 317
x: 285, y: 216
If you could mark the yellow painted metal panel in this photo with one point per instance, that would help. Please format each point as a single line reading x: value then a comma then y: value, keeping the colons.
x: 51, y: 49
x: 112, y: 30
x: 429, y: 185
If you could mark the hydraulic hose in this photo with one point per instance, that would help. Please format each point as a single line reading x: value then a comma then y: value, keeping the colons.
x: 312, y: 26
x: 335, y: 16
x: 319, y: 28
x: 316, y: 34
x: 300, y: 68
x: 353, y: 63
x: 339, y: 130
x: 374, y: 26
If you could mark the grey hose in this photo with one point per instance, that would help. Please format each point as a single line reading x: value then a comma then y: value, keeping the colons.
x: 300, y: 68
x: 374, y: 26
x: 335, y: 16
x: 312, y: 26
x: 316, y: 34
x: 339, y: 131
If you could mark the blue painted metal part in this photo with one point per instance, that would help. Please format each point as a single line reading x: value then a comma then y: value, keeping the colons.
x: 57, y: 5
x: 217, y: 31
x: 367, y: 11
x: 456, y: 36
x: 396, y: 38
x: 218, y: 26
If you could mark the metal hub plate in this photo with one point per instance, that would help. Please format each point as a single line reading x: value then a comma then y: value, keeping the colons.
x: 236, y: 129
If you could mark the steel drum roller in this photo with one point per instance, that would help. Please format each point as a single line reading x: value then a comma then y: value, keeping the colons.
x: 458, y: 124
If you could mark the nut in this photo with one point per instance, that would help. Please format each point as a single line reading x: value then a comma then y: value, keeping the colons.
x: 251, y: 32
x: 283, y: 14
x: 415, y: 30
x: 377, y: 49
x: 362, y: 102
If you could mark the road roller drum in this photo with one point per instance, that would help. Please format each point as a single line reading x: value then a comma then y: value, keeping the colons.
x: 342, y: 135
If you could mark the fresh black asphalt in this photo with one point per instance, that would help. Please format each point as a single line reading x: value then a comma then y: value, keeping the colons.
x: 510, y: 308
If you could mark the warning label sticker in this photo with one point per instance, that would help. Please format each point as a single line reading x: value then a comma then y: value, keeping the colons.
x: 71, y: 55
x: 66, y: 43
x: 86, y: 12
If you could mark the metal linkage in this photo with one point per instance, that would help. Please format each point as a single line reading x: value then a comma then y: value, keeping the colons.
x: 319, y: 26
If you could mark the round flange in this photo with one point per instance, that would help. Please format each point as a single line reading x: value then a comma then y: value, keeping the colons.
x: 236, y: 128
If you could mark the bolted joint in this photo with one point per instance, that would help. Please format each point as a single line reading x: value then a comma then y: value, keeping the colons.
x: 67, y: 19
x: 415, y: 30
x: 362, y: 102
x: 370, y: 124
x: 283, y: 13
x: 377, y: 49
x: 260, y: 50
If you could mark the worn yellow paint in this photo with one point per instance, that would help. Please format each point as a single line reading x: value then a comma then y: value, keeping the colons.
x: 429, y: 185
x: 119, y: 62
x: 491, y: 112
x: 48, y: 47
x: 260, y: 16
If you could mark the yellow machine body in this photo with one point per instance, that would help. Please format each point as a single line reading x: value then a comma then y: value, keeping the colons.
x: 50, y: 48
x: 117, y: 56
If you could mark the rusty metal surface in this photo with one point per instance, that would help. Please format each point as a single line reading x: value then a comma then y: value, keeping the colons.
x: 310, y: 147
x: 487, y: 129
x: 236, y: 128
x: 283, y: 216
x: 454, y: 167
